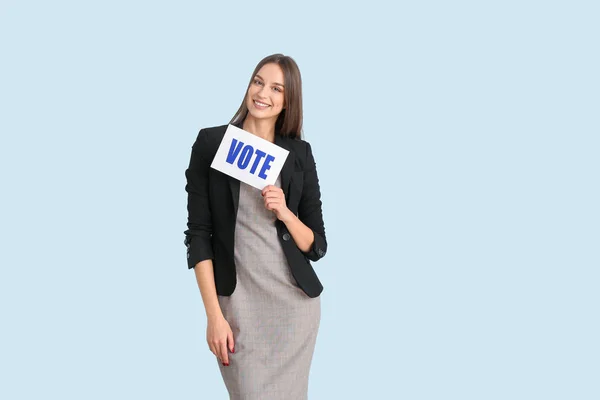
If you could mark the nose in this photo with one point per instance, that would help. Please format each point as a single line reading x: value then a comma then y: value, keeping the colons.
x: 261, y: 92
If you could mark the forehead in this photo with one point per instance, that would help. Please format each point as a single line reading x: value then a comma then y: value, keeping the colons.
x: 271, y: 72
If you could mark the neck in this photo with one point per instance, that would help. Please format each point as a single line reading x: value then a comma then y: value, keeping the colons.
x: 262, y: 128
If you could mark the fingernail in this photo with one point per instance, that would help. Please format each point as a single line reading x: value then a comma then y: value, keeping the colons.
x: 226, y: 364
x: 233, y: 351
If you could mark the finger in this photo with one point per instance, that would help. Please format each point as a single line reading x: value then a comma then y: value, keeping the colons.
x: 271, y: 197
x: 275, y: 200
x: 272, y: 204
x: 278, y: 193
x: 223, y: 353
x: 213, y: 350
x: 215, y: 346
x: 271, y: 189
x: 268, y: 188
x: 230, y: 342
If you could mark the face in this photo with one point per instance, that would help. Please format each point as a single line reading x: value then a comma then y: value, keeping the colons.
x: 265, y: 98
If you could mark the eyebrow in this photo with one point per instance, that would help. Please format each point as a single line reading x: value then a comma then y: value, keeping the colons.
x: 278, y: 84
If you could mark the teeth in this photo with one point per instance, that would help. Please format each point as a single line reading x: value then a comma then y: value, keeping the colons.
x: 261, y: 104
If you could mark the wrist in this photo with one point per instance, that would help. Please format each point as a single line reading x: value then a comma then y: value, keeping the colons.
x: 287, y: 216
x: 214, y: 314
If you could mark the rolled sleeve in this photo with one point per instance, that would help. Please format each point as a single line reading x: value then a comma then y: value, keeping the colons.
x: 310, y: 208
x: 198, y: 236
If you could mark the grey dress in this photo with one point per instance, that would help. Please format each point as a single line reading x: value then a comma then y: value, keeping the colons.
x: 274, y: 322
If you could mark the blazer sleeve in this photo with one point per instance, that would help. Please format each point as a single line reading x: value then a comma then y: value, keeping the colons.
x: 309, y: 208
x: 198, y: 236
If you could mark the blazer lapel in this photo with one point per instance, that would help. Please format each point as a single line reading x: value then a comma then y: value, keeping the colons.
x: 234, y: 185
x: 288, y: 166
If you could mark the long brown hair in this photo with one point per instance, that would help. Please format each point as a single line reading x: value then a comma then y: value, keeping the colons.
x: 289, y: 121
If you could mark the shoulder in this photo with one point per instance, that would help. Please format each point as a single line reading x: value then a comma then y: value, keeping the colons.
x: 299, y: 146
x: 209, y: 138
x: 302, y: 151
x: 212, y: 133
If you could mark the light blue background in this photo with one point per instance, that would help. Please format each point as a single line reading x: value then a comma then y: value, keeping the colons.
x: 457, y: 147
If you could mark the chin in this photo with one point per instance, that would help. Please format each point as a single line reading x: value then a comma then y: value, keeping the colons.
x: 260, y: 114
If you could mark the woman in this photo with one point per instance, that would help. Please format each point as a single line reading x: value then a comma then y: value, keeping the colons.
x: 250, y: 248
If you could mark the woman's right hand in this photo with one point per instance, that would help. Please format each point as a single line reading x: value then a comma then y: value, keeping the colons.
x: 220, y: 338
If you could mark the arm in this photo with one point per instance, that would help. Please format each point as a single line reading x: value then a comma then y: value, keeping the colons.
x: 310, y: 209
x: 205, y: 278
x: 303, y: 236
x: 219, y: 335
x: 198, y: 240
x: 198, y: 236
x: 307, y: 229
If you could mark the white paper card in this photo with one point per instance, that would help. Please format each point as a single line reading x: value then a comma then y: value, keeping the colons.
x: 249, y: 158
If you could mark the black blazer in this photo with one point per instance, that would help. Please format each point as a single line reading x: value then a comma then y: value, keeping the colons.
x: 212, y: 208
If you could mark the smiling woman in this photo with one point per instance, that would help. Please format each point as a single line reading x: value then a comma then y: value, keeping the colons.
x: 274, y: 97
x: 251, y: 249
x: 256, y: 93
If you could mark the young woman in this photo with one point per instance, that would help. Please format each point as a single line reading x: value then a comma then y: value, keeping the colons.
x: 251, y: 249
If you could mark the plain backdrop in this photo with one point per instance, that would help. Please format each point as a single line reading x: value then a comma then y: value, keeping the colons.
x: 458, y: 152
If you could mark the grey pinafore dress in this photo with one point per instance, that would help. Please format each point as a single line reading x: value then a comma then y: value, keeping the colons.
x: 274, y: 322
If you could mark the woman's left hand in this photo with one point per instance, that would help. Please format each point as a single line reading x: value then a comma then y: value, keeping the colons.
x: 275, y: 201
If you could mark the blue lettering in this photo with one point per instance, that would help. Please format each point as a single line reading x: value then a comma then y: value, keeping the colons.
x: 266, y: 166
x: 244, y: 153
x: 234, y: 151
x: 259, y: 156
x: 245, y: 157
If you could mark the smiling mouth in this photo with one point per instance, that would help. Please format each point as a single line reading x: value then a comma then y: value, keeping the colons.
x: 262, y: 105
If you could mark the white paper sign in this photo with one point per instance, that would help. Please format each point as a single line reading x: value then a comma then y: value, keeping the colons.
x: 249, y: 158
